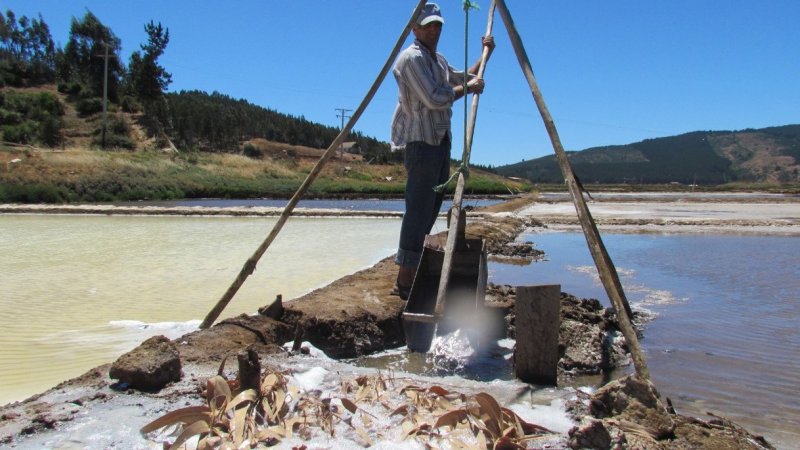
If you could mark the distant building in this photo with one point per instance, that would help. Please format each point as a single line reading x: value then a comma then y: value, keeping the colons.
x: 351, y: 147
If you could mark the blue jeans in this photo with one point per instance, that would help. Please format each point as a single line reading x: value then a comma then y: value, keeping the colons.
x: 427, y: 166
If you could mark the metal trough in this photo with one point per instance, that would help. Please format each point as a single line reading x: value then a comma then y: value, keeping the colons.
x: 465, y: 294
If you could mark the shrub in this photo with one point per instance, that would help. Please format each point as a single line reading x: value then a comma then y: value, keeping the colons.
x: 117, y: 134
x: 251, y: 151
x: 46, y: 104
x: 33, y: 193
x: 10, y: 117
x: 74, y: 89
x: 50, y: 131
x: 22, y: 133
x: 89, y: 106
x: 130, y: 104
x: 114, y: 141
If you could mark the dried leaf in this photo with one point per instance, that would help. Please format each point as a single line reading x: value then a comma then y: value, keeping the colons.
x: 481, y: 441
x: 248, y: 396
x: 218, y: 393
x: 349, y: 405
x: 407, y: 427
x: 411, y: 387
x: 505, y: 443
x: 221, y: 369
x: 196, y: 428
x: 402, y: 409
x: 490, y: 407
x: 269, y: 382
x: 362, y: 393
x: 438, y: 390
x: 442, y: 403
x: 187, y: 415
x: 510, y: 432
x: 277, y: 405
x: 493, y: 428
x: 364, y: 436
x: 451, y: 419
x: 365, y: 419
x: 239, y: 426
x: 271, y: 433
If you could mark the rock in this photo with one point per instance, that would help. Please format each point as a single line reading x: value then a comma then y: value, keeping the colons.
x: 633, y: 400
x: 230, y: 336
x: 274, y: 310
x: 150, y: 366
x: 590, y: 434
x: 580, y: 345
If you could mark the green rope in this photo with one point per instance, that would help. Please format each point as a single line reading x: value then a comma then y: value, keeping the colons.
x: 464, y: 167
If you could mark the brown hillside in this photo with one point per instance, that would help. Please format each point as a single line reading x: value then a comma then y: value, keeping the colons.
x: 756, y: 153
x: 279, y: 150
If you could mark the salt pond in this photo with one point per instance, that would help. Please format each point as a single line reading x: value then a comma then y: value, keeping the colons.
x: 77, y: 291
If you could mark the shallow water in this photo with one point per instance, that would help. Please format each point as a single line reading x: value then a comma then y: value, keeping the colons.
x: 77, y: 291
x: 349, y: 205
x: 725, y: 337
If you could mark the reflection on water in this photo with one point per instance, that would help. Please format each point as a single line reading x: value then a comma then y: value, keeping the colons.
x: 725, y: 338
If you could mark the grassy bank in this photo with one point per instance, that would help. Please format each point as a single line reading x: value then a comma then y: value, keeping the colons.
x: 80, y: 175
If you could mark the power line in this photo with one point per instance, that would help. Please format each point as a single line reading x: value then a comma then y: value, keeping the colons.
x: 342, y: 115
x: 105, y: 56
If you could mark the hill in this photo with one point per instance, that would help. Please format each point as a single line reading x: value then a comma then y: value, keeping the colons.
x: 209, y: 160
x: 766, y: 155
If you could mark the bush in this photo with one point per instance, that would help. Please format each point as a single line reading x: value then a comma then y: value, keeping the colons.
x: 22, y: 133
x: 130, y: 104
x: 117, y: 134
x: 89, y: 106
x: 251, y: 151
x: 10, y: 117
x: 113, y: 141
x: 50, y: 131
x: 46, y: 104
x: 33, y: 193
x: 74, y: 89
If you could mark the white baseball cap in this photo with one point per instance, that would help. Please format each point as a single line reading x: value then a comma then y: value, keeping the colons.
x: 430, y: 13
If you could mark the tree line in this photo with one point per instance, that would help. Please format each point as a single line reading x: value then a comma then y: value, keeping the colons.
x: 89, y: 69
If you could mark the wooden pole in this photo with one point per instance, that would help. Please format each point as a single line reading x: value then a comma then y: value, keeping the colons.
x: 456, y: 212
x: 605, y: 268
x: 538, y: 319
x: 250, y: 265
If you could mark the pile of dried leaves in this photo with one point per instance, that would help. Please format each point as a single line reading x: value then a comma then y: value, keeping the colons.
x: 368, y: 409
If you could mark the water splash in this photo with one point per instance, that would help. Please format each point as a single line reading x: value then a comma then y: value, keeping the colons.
x: 450, y: 353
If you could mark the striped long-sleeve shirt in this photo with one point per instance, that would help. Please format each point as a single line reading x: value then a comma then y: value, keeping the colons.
x: 425, y: 81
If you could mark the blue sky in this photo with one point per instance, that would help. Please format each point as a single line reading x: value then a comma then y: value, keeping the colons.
x: 611, y: 72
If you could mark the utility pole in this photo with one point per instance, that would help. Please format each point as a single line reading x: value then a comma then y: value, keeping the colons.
x: 105, y: 95
x: 342, y: 115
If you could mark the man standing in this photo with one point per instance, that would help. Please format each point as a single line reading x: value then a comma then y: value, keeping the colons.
x: 427, y: 86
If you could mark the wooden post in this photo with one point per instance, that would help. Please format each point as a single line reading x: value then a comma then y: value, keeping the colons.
x: 605, y: 268
x: 249, y: 369
x: 537, y: 319
x: 455, y: 210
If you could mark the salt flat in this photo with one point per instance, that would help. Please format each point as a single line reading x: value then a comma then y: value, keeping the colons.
x: 765, y: 213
